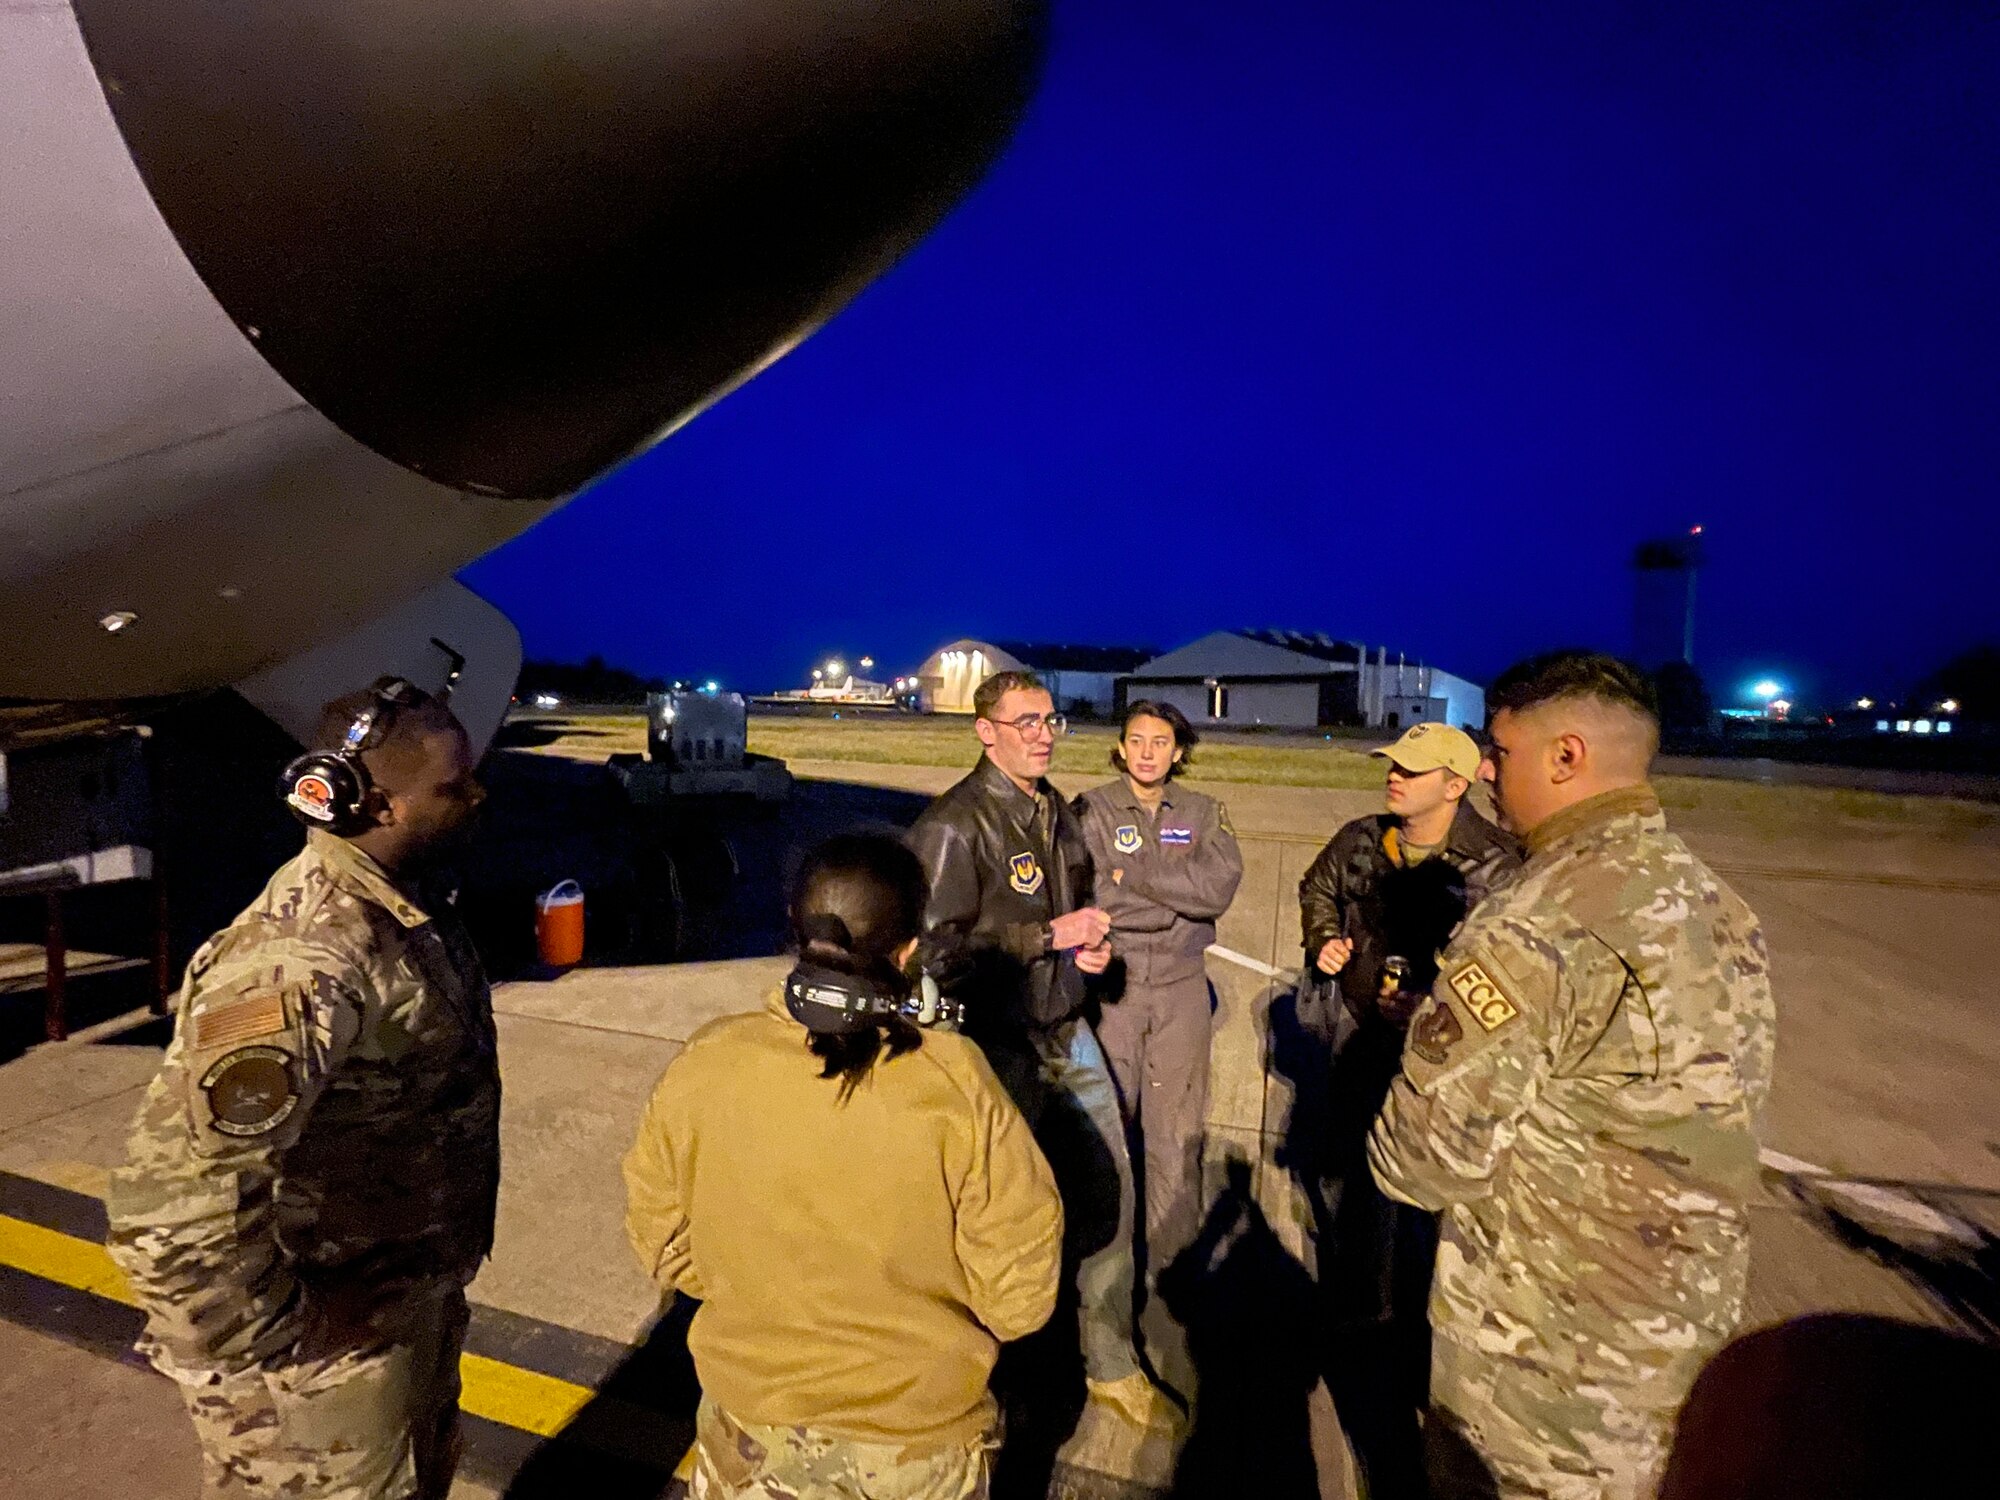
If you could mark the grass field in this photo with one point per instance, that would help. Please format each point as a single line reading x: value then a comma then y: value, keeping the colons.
x: 1288, y: 760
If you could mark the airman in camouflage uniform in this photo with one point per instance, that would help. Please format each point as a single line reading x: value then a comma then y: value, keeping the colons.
x: 312, y: 1175
x: 1579, y: 1096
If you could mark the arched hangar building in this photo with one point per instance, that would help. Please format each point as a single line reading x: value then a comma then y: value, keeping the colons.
x: 1082, y: 679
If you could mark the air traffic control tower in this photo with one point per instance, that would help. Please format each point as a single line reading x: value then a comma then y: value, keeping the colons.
x: 1663, y: 580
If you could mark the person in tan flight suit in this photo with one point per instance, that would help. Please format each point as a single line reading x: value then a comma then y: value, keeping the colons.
x: 861, y: 1209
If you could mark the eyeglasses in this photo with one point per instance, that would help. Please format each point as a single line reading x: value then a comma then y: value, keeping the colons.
x: 1032, y: 724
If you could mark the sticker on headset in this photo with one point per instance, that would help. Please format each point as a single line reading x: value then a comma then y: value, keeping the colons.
x: 1126, y: 839
x: 1024, y: 873
x: 312, y: 795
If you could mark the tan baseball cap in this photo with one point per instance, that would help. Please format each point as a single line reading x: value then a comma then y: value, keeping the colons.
x: 1425, y: 747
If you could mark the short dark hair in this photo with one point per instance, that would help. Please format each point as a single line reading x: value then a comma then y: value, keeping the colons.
x: 986, y: 697
x: 1185, y: 739
x: 1556, y: 675
x: 858, y: 898
x: 399, y: 723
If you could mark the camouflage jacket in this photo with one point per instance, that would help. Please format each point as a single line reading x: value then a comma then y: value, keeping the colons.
x: 1579, y: 1096
x: 328, y: 1110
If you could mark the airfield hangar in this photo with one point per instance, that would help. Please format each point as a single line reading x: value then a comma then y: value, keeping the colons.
x: 1242, y: 678
x: 1083, y: 680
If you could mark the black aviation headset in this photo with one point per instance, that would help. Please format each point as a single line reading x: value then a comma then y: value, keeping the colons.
x: 329, y: 788
x: 827, y: 1000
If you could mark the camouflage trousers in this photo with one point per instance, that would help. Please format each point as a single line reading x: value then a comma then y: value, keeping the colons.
x: 1502, y: 1429
x: 376, y: 1426
x: 749, y: 1461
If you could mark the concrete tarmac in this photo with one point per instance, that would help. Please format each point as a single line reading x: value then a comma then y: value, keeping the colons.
x: 1888, y: 1076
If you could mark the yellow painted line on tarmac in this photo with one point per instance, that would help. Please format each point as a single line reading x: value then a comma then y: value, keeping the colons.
x: 63, y: 1259
x: 526, y: 1399
x: 499, y: 1392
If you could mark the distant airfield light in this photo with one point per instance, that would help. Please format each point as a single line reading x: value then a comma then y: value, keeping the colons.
x: 1864, y: 702
x: 711, y: 686
x: 816, y: 674
x: 867, y: 662
x: 117, y: 620
x: 1766, y: 690
x: 1949, y: 706
x: 1922, y: 726
x: 1694, y: 531
x: 836, y: 669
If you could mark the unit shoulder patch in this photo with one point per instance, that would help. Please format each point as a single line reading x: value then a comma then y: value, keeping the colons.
x: 1222, y: 819
x: 235, y: 1021
x: 1434, y: 1033
x: 1024, y: 873
x: 1484, y: 1000
x: 250, y: 1091
x: 1126, y: 839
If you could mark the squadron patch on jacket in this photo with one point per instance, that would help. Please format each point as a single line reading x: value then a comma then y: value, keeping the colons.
x: 1176, y: 836
x: 1222, y: 819
x: 1434, y: 1033
x: 1126, y: 840
x: 1024, y: 873
x: 1483, y: 998
x: 250, y: 1091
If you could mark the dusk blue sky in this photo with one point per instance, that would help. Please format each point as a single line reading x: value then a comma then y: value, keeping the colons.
x: 1400, y: 321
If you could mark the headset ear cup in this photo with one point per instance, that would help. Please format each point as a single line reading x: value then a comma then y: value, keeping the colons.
x: 323, y: 790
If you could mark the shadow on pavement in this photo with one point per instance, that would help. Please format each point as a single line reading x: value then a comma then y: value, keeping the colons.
x: 1959, y: 1272
x: 624, y: 1444
x: 1252, y: 1319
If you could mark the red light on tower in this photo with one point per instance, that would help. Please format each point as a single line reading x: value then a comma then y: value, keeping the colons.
x: 1694, y: 531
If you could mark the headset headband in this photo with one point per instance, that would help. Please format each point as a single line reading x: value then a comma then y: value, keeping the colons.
x: 826, y: 1000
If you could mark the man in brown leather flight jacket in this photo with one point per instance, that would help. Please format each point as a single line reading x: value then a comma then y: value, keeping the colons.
x: 1010, y: 933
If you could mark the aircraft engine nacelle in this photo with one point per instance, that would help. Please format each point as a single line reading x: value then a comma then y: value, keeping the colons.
x: 309, y: 304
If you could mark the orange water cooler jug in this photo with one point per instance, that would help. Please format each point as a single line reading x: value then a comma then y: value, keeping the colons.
x: 559, y: 925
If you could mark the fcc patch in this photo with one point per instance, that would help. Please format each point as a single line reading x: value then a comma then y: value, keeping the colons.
x: 312, y: 795
x: 250, y: 1091
x: 1176, y: 837
x: 1126, y: 840
x: 1487, y: 1002
x: 1024, y: 874
x: 1434, y: 1033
